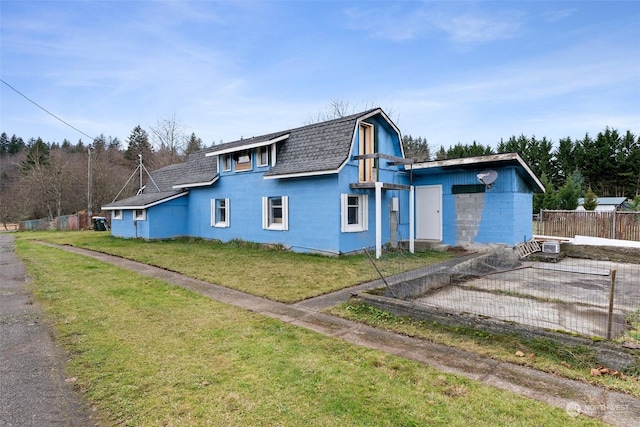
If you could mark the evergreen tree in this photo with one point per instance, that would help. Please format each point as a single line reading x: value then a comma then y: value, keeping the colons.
x: 634, y: 205
x: 564, y: 161
x: 628, y: 163
x: 37, y: 155
x: 194, y: 144
x: 113, y: 143
x: 16, y: 145
x: 459, y: 150
x: 100, y: 143
x: 590, y: 201
x: 4, y: 144
x: 441, y: 154
x: 547, y: 200
x: 138, y: 144
x: 570, y: 192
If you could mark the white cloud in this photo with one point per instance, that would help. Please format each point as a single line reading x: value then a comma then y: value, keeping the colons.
x: 462, y: 26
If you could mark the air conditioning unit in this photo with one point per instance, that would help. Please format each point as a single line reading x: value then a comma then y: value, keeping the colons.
x: 551, y: 247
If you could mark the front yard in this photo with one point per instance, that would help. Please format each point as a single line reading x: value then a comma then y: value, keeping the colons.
x: 148, y: 353
x: 275, y: 274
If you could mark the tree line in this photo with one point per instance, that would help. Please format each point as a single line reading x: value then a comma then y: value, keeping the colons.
x: 39, y: 179
x: 605, y: 166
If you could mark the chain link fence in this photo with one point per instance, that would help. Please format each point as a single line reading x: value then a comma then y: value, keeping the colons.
x: 591, y: 298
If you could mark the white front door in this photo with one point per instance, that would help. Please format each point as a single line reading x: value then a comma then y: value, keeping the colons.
x: 429, y: 212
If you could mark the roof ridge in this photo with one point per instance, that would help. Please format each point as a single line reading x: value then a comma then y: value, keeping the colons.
x: 299, y: 128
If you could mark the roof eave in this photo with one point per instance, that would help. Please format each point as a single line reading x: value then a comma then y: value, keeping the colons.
x: 248, y: 146
x: 302, y: 174
x: 479, y: 160
x: 148, y: 205
x: 196, y: 184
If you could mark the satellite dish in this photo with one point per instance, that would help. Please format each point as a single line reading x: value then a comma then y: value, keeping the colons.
x: 487, y: 177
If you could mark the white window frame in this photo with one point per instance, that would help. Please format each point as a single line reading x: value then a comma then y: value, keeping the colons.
x: 273, y: 154
x: 259, y: 152
x: 139, y: 214
x: 362, y: 216
x: 215, y: 217
x: 227, y: 161
x: 117, y: 214
x: 267, y: 216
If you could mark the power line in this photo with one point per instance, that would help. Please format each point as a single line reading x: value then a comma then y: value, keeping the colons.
x: 46, y: 111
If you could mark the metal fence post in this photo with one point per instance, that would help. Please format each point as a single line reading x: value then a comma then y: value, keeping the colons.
x: 613, y: 287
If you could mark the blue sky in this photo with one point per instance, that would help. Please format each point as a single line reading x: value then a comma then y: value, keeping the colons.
x: 450, y: 72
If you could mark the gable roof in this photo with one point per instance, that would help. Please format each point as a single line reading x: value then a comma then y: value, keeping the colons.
x: 490, y: 161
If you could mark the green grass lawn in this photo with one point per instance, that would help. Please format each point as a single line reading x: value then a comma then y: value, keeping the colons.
x: 148, y: 353
x: 275, y: 274
x: 545, y: 355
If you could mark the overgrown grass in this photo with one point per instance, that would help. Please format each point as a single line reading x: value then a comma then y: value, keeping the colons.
x: 545, y: 355
x: 148, y: 353
x: 275, y: 274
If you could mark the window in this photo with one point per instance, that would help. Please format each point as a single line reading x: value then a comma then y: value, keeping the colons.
x: 226, y: 162
x: 220, y: 212
x: 140, y: 215
x: 243, y: 160
x: 117, y: 214
x: 365, y: 166
x: 263, y: 156
x: 275, y: 213
x: 354, y: 212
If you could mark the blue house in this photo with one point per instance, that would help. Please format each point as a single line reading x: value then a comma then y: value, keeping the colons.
x: 333, y: 187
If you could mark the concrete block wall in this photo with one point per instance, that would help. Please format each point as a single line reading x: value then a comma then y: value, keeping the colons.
x: 468, y: 213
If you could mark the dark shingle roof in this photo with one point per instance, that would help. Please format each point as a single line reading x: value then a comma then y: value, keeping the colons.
x: 317, y: 147
x: 197, y: 169
x: 165, y: 178
x: 143, y: 200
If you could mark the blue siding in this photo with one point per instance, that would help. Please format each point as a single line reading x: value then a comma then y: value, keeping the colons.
x: 314, y: 205
x: 502, y: 213
x: 168, y: 220
x: 314, y: 211
x: 162, y: 221
x: 314, y: 202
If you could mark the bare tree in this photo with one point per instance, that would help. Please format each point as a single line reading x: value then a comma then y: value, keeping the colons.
x: 339, y: 108
x: 168, y: 135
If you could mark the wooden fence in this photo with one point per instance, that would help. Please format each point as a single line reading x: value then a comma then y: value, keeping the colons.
x: 73, y: 222
x: 609, y: 225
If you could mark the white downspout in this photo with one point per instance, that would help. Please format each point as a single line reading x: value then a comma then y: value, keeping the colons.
x: 378, y: 220
x: 411, y: 220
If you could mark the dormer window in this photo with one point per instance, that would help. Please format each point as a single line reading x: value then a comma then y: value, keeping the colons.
x: 263, y: 156
x: 243, y: 160
x: 226, y: 162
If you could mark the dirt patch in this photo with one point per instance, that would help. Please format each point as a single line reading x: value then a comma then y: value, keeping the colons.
x: 604, y: 253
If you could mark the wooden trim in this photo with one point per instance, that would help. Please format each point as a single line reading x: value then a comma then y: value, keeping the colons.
x: 372, y: 185
x: 395, y: 160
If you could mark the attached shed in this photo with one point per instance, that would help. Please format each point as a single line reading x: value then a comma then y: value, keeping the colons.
x: 456, y: 204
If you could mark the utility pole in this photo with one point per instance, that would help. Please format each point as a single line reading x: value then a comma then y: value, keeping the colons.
x: 89, y: 185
